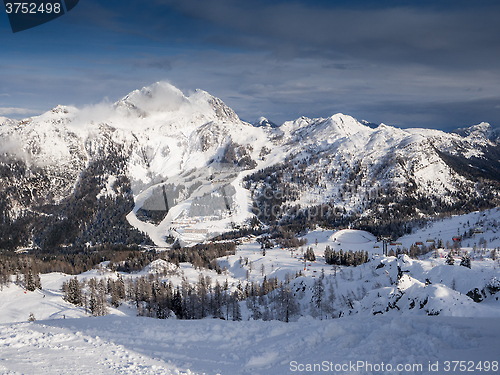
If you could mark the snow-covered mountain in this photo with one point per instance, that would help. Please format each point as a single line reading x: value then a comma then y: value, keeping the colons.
x: 159, y: 165
x: 262, y: 121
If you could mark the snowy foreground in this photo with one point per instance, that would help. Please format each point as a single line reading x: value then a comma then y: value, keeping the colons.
x: 388, y: 325
x: 134, y: 345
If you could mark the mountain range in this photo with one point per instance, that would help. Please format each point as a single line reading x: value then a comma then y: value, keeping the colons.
x: 159, y: 166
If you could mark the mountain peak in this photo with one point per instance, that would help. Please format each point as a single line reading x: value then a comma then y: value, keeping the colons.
x: 301, y: 122
x: 158, y: 97
x: 483, y: 129
x: 157, y: 137
x: 264, y: 122
x: 163, y: 98
x: 369, y: 124
x: 5, y: 120
x: 347, y: 125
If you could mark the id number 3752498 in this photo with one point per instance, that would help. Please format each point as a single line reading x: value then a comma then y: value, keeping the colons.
x: 33, y: 8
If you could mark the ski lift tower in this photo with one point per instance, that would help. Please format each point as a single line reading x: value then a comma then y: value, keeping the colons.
x: 384, y: 240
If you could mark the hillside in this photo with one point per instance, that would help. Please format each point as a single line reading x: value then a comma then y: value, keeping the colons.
x: 419, y: 307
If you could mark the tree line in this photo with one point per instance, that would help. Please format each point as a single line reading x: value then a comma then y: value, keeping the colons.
x: 26, y: 274
x: 154, y: 297
x: 345, y: 258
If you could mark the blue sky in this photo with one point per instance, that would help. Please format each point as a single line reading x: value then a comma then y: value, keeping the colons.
x: 405, y: 63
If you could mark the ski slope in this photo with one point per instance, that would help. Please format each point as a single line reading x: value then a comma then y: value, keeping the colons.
x: 133, y: 345
x: 389, y: 319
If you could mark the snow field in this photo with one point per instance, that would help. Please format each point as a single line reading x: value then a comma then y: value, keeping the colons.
x: 40, y: 349
x: 121, y: 345
x: 370, y: 330
x: 16, y: 305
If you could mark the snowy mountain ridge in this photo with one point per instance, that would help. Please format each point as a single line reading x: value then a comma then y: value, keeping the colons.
x: 175, y: 154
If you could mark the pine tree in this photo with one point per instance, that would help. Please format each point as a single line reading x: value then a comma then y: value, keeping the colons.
x: 72, y: 292
x: 309, y: 255
x: 329, y: 255
x: 450, y: 260
x: 186, y: 291
x: 120, y: 287
x: 317, y: 298
x: 102, y: 298
x: 202, y: 296
x: 267, y: 315
x: 115, y: 298
x: 4, y: 278
x: 330, y: 300
x: 217, y: 305
x: 29, y: 281
x: 85, y: 303
x: 251, y: 302
x: 164, y: 301
x: 266, y: 286
x: 286, y: 304
x: 93, y: 299
x: 177, y: 304
x: 466, y: 260
x: 236, y: 312
x: 97, y: 299
x: 37, y: 280
x: 226, y: 297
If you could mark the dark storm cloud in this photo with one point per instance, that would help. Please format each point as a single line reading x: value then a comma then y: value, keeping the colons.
x: 161, y: 63
x: 455, y: 37
x: 426, y: 63
x: 446, y: 115
x: 401, y: 62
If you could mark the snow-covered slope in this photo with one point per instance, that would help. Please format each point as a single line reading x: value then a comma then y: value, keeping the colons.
x: 418, y: 309
x: 362, y: 161
x: 115, y: 345
x: 189, y: 163
x: 162, y: 135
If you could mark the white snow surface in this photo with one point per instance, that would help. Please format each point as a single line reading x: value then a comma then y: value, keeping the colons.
x: 133, y: 345
x: 350, y: 236
x: 64, y: 340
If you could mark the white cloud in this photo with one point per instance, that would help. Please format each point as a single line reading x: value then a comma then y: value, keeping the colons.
x: 6, y: 111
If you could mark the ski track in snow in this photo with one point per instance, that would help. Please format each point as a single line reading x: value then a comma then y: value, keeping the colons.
x: 118, y: 345
x: 41, y: 349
